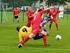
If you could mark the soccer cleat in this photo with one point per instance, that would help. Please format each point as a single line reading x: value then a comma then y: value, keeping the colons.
x: 19, y: 45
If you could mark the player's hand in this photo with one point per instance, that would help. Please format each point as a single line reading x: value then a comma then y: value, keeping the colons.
x: 31, y: 35
x: 51, y: 17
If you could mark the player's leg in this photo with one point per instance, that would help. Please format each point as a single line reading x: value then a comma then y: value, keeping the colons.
x: 16, y: 19
x: 45, y: 38
x: 27, y: 37
x: 20, y: 37
x: 23, y: 39
x: 56, y: 23
x: 29, y: 23
x: 42, y: 35
x: 20, y: 40
x: 33, y: 34
x: 51, y: 21
x: 38, y: 36
x: 20, y: 43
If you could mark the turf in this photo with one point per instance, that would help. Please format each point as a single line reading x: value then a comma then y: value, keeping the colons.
x: 9, y: 38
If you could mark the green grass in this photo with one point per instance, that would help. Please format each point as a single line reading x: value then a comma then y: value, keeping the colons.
x: 9, y: 38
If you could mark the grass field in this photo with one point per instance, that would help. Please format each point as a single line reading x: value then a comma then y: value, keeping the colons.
x: 9, y: 38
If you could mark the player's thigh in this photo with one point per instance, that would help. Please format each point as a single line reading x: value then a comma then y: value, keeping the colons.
x: 44, y: 32
x: 56, y: 21
x: 51, y: 21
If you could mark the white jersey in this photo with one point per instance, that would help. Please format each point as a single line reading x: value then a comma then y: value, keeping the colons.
x: 61, y: 8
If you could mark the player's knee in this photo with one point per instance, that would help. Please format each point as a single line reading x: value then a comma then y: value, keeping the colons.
x: 56, y: 23
x: 44, y: 32
x: 31, y: 35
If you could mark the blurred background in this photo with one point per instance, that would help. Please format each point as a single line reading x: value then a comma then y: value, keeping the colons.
x: 6, y: 7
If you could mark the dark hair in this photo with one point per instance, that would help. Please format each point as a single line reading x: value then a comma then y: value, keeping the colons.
x: 39, y: 10
x: 18, y: 28
x: 24, y: 30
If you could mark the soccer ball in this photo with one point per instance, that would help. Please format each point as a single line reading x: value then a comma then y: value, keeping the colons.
x: 58, y: 37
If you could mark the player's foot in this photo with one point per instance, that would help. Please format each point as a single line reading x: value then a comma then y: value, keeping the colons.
x: 19, y: 45
x: 46, y: 45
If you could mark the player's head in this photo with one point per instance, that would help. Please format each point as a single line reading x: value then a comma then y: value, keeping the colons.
x: 29, y: 8
x: 41, y: 8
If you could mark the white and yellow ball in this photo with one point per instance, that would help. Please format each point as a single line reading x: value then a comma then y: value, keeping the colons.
x: 58, y: 37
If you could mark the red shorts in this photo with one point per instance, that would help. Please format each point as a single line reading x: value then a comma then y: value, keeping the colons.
x: 36, y: 30
x: 54, y: 20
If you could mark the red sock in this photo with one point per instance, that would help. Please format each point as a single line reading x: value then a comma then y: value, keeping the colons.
x: 45, y: 40
x: 26, y: 38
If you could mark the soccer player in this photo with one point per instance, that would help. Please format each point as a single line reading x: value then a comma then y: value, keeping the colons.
x: 61, y: 8
x: 16, y: 12
x: 23, y: 31
x: 53, y: 12
x: 30, y: 16
x: 36, y: 28
x: 45, y: 20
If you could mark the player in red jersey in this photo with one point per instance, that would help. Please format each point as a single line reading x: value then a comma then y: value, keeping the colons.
x: 30, y: 16
x: 36, y: 25
x: 36, y: 28
x: 53, y: 12
x: 16, y: 12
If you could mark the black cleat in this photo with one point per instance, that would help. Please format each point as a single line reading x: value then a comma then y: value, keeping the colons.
x: 19, y: 45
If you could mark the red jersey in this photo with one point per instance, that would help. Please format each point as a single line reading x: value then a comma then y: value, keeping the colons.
x: 36, y: 22
x: 30, y: 14
x: 53, y: 12
x: 16, y: 11
x: 30, y: 17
